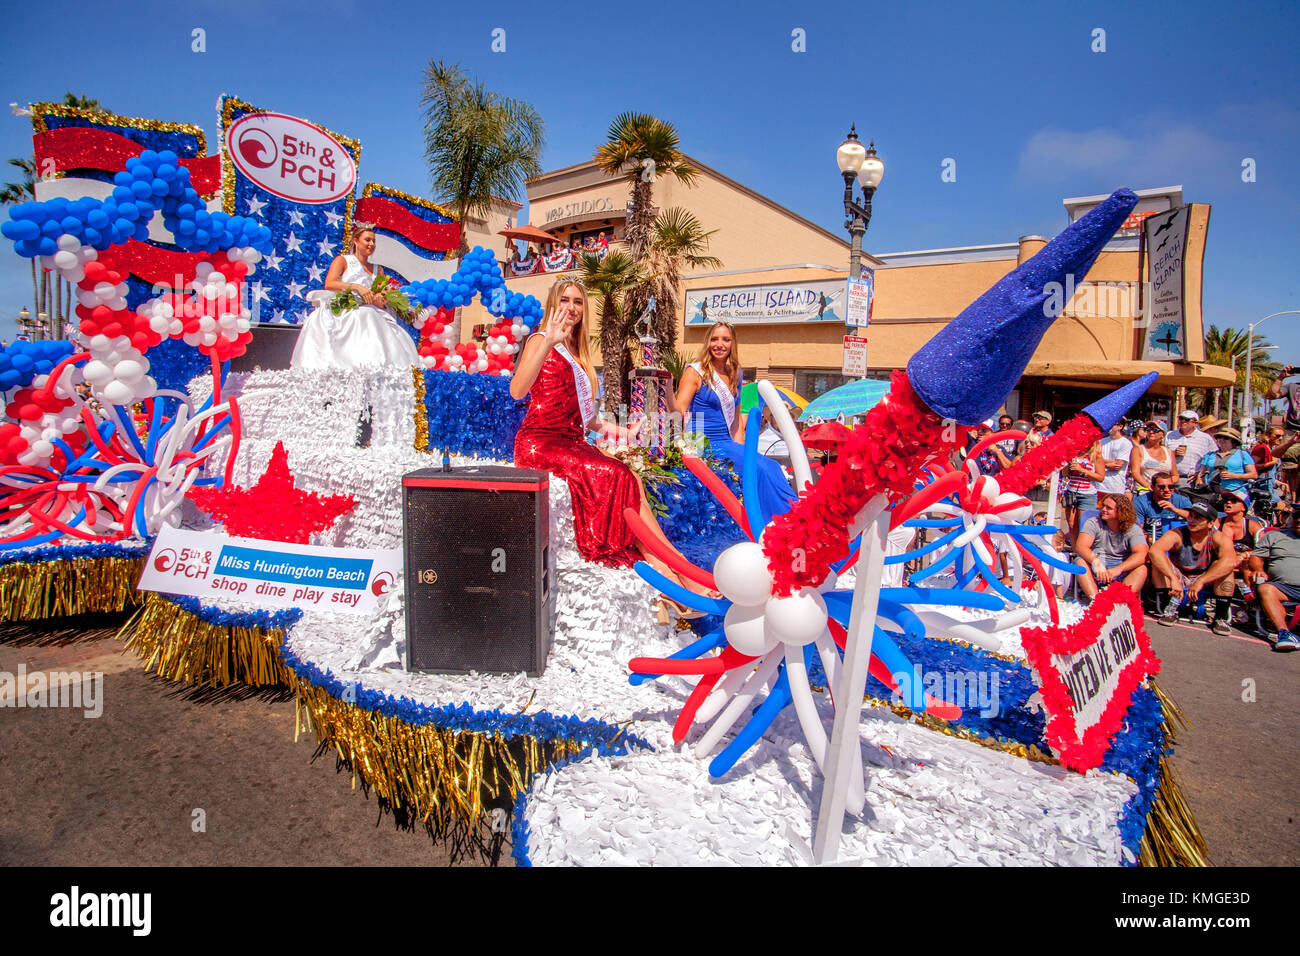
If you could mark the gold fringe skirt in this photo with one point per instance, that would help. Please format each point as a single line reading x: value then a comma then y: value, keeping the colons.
x: 36, y: 590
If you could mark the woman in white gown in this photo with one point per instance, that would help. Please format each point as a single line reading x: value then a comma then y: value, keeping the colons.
x: 366, y: 335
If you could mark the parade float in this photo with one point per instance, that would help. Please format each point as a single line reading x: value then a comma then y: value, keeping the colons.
x: 1000, y: 725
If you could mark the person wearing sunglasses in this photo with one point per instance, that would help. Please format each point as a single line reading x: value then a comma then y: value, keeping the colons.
x: 1161, y: 507
x: 1186, y: 561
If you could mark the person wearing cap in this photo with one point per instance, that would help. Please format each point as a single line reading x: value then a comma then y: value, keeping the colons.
x: 1110, y: 546
x: 1042, y: 428
x: 1274, y: 572
x: 1242, y: 530
x: 1162, y: 506
x: 1189, y: 445
x: 991, y: 460
x: 1116, y: 452
x: 1010, y: 446
x: 1151, y: 458
x: 1228, y: 467
x: 1187, y: 560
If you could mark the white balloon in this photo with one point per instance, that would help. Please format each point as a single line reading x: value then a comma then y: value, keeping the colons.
x: 69, y: 243
x: 42, y: 449
x: 741, y: 574
x: 66, y: 260
x: 747, y: 631
x: 96, y: 371
x: 798, y: 619
x: 129, y: 371
x: 118, y: 393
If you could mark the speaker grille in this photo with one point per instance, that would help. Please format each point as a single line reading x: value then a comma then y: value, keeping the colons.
x: 477, y: 579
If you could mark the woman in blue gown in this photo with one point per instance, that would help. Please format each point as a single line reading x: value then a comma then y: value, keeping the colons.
x: 710, y: 389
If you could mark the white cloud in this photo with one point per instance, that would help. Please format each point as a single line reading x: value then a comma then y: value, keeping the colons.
x: 1159, y: 153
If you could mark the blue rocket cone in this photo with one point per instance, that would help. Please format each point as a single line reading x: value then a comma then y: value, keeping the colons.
x: 1106, y: 411
x: 967, y: 370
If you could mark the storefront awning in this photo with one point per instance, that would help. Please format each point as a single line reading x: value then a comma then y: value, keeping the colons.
x: 1174, y: 374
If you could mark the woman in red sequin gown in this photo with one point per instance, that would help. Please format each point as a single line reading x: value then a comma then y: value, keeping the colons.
x: 554, y: 369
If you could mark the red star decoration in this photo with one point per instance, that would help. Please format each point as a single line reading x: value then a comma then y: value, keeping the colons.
x: 274, y: 509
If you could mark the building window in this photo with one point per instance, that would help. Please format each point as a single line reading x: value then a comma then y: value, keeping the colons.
x: 810, y: 383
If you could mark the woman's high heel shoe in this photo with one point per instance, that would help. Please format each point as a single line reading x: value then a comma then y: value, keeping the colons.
x: 677, y: 611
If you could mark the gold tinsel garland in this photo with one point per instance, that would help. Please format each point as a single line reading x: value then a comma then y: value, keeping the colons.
x: 446, y: 779
x: 35, y: 590
x: 449, y: 779
x: 182, y: 647
x: 421, y: 413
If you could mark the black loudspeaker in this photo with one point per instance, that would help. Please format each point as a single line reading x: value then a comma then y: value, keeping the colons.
x: 478, y: 570
x: 271, y: 348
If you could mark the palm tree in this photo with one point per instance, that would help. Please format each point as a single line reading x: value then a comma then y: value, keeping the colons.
x: 677, y: 243
x: 635, y: 138
x: 610, y: 278
x: 25, y: 191
x: 1221, y: 345
x: 477, y: 144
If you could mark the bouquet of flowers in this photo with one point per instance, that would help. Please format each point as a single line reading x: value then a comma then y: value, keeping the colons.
x: 656, y: 467
x: 394, y: 299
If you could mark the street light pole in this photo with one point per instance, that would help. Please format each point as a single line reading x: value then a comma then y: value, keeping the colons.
x: 866, y: 167
x: 1250, y: 341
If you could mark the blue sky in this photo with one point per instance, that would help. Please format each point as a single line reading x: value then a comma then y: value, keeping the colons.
x: 1183, y: 93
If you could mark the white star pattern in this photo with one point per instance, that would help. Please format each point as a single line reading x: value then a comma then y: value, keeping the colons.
x: 326, y: 249
x: 278, y: 316
x: 260, y: 292
x: 334, y: 218
x: 273, y: 261
x: 292, y: 243
x: 295, y: 217
x: 314, y: 272
x: 295, y: 289
x: 255, y: 206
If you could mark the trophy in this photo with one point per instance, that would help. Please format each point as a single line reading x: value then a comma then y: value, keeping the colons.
x: 647, y: 382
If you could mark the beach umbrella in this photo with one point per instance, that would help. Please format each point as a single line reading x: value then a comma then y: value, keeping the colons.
x: 853, y: 398
x: 749, y: 397
x: 827, y: 435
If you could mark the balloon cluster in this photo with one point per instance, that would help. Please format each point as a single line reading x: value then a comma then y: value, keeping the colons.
x: 83, y: 465
x: 59, y: 229
x: 479, y: 274
x: 212, y: 317
x: 40, y: 421
x: 20, y: 362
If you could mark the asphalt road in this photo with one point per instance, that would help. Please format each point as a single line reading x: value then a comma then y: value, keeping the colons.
x: 168, y: 776
x: 122, y: 789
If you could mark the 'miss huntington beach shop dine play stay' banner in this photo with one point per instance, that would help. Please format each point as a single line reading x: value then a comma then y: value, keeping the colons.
x: 205, y: 564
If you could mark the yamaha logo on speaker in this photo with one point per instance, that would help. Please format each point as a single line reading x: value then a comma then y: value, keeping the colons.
x: 428, y: 576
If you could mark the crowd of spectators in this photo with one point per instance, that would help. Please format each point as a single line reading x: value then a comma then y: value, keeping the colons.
x: 557, y: 256
x: 1190, y: 516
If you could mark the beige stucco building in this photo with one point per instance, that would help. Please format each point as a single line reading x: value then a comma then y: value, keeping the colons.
x: 778, y: 267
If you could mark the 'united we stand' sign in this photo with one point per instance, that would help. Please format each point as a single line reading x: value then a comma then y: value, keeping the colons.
x: 1088, y: 672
